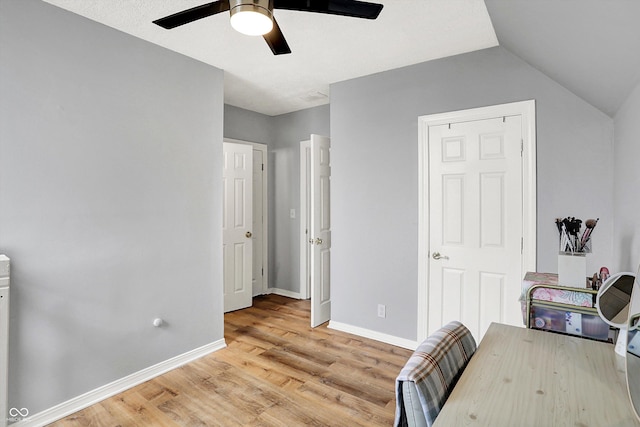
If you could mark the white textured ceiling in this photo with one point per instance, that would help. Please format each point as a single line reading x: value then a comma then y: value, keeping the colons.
x: 591, y: 47
x: 326, y: 48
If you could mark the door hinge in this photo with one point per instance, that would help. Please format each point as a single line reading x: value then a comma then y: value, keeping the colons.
x: 262, y: 272
x: 262, y: 166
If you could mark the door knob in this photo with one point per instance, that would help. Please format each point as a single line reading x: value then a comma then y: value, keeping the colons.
x: 436, y: 255
x: 248, y: 234
x: 318, y: 241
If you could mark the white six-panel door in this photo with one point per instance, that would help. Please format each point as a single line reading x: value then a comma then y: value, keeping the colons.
x: 237, y: 222
x: 320, y: 233
x: 475, y: 222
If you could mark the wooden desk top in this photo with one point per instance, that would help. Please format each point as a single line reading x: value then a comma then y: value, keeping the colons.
x: 526, y: 377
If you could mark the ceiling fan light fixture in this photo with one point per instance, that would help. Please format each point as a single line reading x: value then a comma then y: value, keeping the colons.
x: 253, y: 18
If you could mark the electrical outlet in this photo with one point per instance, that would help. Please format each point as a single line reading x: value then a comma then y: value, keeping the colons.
x: 382, y: 311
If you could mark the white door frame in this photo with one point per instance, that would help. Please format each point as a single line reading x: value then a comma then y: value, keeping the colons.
x: 4, y: 337
x: 305, y: 284
x: 526, y: 109
x: 265, y: 209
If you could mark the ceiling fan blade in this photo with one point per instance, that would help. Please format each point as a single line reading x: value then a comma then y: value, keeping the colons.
x: 353, y: 8
x: 276, y: 41
x: 193, y: 14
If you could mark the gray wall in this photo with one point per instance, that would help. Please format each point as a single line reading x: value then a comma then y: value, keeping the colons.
x: 374, y: 130
x: 248, y: 125
x: 110, y: 202
x: 627, y: 184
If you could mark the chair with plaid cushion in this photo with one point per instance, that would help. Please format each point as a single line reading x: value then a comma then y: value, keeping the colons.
x: 425, y: 382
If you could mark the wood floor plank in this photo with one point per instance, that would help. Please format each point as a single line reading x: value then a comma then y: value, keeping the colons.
x: 359, y: 411
x: 275, y: 371
x: 264, y: 370
x: 91, y: 416
x: 382, y: 376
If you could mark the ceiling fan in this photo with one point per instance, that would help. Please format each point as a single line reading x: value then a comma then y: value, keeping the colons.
x: 255, y: 17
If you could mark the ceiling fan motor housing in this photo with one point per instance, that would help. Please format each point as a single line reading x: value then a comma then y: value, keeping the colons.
x: 264, y: 7
x: 252, y: 17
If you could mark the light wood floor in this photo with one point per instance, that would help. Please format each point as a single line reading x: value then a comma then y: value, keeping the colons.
x: 275, y: 371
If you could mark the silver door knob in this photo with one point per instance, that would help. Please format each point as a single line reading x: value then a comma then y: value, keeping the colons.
x: 436, y: 255
x: 248, y: 234
x: 318, y: 241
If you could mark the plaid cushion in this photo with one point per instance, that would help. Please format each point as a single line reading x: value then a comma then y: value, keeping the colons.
x: 434, y: 369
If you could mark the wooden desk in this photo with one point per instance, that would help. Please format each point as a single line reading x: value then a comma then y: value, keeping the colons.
x: 525, y: 377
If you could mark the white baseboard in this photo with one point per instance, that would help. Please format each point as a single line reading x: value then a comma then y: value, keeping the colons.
x: 94, y: 396
x: 374, y: 335
x: 285, y: 293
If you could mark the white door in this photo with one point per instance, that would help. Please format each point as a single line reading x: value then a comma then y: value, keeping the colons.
x: 236, y: 227
x: 320, y: 233
x: 475, y: 222
x: 258, y: 223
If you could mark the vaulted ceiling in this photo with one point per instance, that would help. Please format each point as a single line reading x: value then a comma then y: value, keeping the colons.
x: 589, y: 46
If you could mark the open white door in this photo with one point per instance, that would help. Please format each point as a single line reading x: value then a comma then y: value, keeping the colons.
x: 320, y: 235
x: 236, y: 225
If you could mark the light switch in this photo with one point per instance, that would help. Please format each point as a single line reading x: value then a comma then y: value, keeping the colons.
x: 292, y: 214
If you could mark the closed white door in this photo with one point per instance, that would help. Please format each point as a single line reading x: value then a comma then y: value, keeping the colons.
x: 475, y: 222
x: 320, y: 233
x: 236, y: 227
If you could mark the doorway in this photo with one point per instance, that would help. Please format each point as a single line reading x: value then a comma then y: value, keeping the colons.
x: 245, y: 219
x: 477, y: 215
x: 315, y: 226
